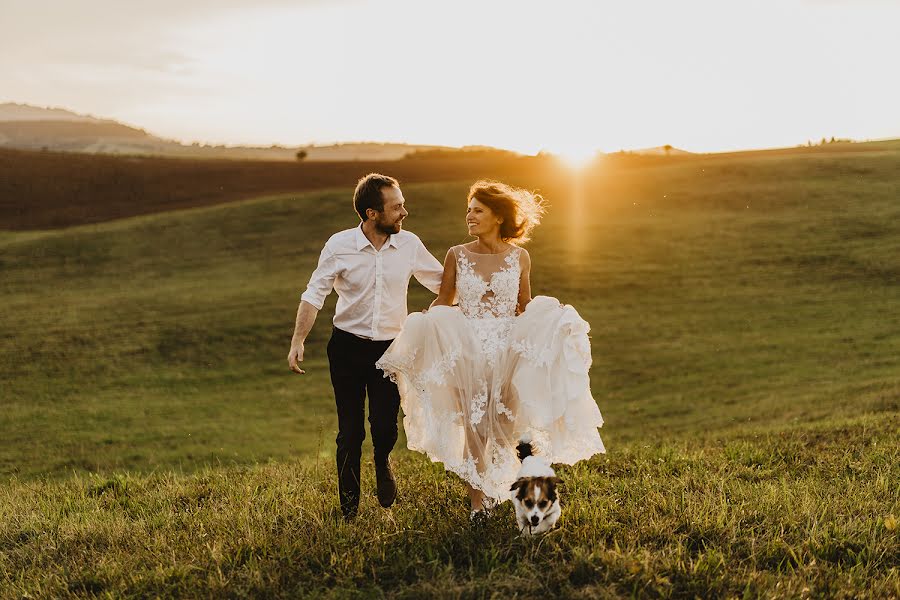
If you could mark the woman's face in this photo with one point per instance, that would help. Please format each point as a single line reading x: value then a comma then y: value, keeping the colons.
x: 482, y: 221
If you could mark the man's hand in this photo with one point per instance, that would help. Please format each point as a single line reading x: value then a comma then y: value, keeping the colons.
x: 306, y: 316
x: 295, y: 357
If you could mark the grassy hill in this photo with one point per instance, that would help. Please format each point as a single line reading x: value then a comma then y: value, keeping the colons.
x: 745, y: 318
x: 50, y: 190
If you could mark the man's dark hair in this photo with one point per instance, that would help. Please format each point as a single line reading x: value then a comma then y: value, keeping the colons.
x: 368, y: 193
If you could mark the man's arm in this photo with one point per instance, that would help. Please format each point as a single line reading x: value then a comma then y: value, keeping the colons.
x: 320, y: 285
x: 427, y: 270
x: 306, y: 316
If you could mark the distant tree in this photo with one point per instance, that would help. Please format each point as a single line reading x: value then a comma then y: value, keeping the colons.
x: 832, y: 140
x: 823, y: 142
x: 301, y: 155
x: 668, y: 149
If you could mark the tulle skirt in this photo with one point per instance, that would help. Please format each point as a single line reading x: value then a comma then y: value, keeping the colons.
x: 472, y: 389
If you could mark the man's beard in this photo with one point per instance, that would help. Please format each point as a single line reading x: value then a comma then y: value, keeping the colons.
x: 388, y: 229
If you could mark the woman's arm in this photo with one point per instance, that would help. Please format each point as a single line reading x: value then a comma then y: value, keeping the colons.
x: 524, y: 281
x: 448, y: 282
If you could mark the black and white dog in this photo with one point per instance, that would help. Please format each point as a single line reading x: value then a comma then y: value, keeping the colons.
x: 534, y: 494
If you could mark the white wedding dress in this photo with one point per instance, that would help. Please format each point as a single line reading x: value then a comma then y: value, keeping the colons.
x: 477, y: 379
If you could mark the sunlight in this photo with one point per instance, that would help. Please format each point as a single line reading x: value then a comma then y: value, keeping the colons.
x: 577, y: 231
x: 679, y: 73
x: 228, y: 84
x: 577, y: 157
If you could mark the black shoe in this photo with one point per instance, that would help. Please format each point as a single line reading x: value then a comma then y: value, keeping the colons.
x: 386, y: 484
x: 349, y: 505
x: 349, y: 499
x: 348, y: 490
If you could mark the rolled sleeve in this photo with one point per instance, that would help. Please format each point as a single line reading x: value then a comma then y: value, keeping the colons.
x: 427, y: 269
x: 322, y: 280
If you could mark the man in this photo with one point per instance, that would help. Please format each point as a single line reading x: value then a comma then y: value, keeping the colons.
x: 369, y: 266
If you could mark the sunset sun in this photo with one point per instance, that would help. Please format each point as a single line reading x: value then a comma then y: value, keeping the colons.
x: 576, y: 157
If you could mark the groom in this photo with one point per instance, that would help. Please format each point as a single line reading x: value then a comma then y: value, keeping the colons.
x: 369, y: 265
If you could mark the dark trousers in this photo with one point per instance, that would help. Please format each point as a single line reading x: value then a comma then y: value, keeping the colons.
x: 353, y: 373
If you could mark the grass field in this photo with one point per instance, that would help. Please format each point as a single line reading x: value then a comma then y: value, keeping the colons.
x: 51, y: 190
x: 745, y: 316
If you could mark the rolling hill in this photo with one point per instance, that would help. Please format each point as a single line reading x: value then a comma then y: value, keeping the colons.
x: 34, y: 128
x: 45, y: 189
x: 745, y: 317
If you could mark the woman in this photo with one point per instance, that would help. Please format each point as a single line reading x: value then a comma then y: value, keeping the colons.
x: 502, y: 368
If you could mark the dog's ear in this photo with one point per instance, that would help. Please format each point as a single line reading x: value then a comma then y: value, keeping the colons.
x: 520, y: 482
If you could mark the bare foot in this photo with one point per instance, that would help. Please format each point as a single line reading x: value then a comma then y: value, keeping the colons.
x: 476, y: 499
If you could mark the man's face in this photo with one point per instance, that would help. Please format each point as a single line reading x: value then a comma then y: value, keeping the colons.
x: 390, y: 220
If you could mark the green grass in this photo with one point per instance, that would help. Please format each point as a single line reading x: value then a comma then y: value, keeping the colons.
x: 799, y: 514
x: 745, y: 318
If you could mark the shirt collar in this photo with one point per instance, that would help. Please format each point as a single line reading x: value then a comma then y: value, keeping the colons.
x: 362, y: 241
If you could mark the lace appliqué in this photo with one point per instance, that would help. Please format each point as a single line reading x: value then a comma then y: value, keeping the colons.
x: 476, y: 410
x: 434, y: 375
x: 492, y: 304
x: 393, y: 364
x: 480, y: 299
x: 467, y: 469
x: 539, y: 356
x: 502, y: 409
x: 424, y: 380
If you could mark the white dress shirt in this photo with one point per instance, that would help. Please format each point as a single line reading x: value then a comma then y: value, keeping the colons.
x: 371, y: 284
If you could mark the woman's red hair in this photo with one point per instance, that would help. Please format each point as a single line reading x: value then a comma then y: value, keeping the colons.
x: 520, y: 209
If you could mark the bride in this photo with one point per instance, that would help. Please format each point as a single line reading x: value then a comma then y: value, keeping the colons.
x: 503, y: 367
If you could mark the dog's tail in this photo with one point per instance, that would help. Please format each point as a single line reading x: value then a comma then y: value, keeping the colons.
x: 525, y: 449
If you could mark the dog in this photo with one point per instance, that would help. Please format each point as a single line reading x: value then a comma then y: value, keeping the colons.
x: 534, y: 494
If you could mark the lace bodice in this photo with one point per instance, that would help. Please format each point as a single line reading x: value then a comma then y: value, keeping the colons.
x: 487, y: 285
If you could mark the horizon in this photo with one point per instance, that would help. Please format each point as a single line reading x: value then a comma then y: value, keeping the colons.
x: 598, y: 152
x: 573, y: 81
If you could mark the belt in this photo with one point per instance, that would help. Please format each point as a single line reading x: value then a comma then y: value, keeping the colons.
x: 359, y: 337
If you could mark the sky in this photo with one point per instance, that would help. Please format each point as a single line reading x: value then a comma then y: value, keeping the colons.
x: 562, y: 76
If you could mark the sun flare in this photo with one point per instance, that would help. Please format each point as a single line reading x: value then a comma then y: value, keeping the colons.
x: 577, y: 157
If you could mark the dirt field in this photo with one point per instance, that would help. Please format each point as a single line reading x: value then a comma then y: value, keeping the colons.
x: 49, y: 190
